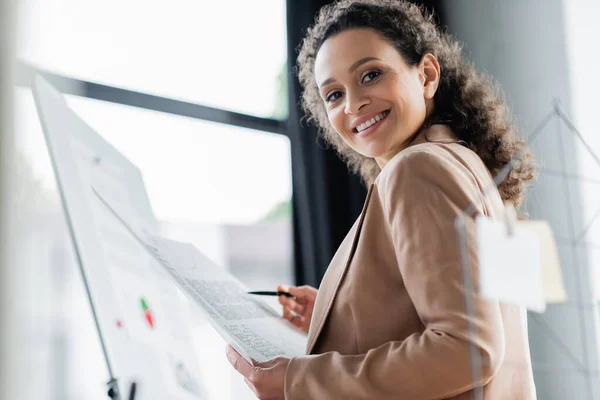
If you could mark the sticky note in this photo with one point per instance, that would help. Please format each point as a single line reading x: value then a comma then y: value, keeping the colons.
x: 552, y: 279
x: 510, y: 266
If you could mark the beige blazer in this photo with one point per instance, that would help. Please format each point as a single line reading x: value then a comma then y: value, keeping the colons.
x: 390, y: 319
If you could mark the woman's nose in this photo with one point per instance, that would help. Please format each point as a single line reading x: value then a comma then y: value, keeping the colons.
x: 354, y: 102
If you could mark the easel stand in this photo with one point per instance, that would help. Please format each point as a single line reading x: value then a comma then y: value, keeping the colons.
x: 113, y: 390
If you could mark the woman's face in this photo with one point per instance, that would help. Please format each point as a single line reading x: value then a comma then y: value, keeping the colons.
x: 374, y: 100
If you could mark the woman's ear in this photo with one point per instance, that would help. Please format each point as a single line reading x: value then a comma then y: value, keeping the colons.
x: 430, y: 75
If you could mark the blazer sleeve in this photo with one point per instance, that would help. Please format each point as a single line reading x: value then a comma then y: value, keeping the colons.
x: 422, y: 194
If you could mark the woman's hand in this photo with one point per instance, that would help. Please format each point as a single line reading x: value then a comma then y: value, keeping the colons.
x: 265, y: 379
x: 298, y: 309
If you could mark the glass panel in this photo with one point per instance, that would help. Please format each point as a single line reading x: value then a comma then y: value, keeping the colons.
x: 582, y: 31
x: 224, y: 54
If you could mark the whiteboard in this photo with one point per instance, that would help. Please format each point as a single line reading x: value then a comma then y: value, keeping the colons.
x: 140, y: 315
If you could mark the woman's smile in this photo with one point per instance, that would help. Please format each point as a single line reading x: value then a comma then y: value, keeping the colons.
x: 367, y: 125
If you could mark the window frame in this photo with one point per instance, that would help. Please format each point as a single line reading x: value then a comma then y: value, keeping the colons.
x: 67, y: 85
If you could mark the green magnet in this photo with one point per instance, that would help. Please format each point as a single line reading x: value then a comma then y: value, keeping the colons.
x: 144, y: 304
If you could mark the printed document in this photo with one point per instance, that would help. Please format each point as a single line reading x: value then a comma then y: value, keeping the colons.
x: 249, y: 324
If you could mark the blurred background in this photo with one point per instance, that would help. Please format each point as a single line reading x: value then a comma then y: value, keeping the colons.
x: 201, y: 96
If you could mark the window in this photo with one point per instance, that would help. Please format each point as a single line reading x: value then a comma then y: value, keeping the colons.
x: 224, y: 54
x: 223, y: 188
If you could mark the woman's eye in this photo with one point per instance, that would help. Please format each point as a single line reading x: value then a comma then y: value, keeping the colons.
x: 333, y: 96
x: 369, y: 76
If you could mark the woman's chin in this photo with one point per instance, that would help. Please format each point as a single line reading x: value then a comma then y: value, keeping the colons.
x: 373, y: 151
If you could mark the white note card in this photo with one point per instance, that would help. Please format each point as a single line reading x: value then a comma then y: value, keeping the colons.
x: 553, y: 284
x: 510, y: 267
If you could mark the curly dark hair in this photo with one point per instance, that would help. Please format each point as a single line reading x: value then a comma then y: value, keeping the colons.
x: 468, y: 101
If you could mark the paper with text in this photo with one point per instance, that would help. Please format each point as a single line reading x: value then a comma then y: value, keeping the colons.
x: 252, y: 326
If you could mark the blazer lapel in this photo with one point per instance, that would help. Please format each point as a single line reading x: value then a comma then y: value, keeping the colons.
x: 327, y: 293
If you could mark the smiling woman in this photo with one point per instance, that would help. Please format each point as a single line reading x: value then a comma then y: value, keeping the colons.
x: 377, y: 103
x: 427, y: 132
x: 465, y: 100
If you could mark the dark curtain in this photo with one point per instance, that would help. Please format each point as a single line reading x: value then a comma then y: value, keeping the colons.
x: 327, y: 199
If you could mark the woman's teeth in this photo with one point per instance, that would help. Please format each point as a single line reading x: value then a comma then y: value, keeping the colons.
x: 370, y: 122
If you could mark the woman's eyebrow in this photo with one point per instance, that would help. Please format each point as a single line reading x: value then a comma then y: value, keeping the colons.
x: 352, y: 68
x: 361, y: 62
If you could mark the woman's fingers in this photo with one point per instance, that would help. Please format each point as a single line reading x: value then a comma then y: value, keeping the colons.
x: 283, y: 288
x: 297, y: 321
x: 299, y: 291
x: 287, y: 314
x: 238, y: 362
x: 298, y: 309
x: 282, y: 300
x: 304, y: 294
x: 292, y: 305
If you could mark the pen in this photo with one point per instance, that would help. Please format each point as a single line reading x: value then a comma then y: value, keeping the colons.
x: 267, y: 293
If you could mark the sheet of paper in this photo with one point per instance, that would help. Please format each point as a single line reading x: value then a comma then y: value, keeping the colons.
x: 252, y: 326
x: 161, y: 329
x: 553, y: 285
x: 510, y: 267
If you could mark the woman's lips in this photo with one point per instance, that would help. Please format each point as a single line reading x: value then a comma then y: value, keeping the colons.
x: 373, y: 127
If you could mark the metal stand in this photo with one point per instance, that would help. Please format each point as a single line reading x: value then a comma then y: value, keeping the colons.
x: 113, y: 389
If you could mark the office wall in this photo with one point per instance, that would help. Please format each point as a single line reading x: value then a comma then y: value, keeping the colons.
x: 522, y: 44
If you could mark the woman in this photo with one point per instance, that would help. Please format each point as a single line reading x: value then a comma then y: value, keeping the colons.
x: 427, y: 133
